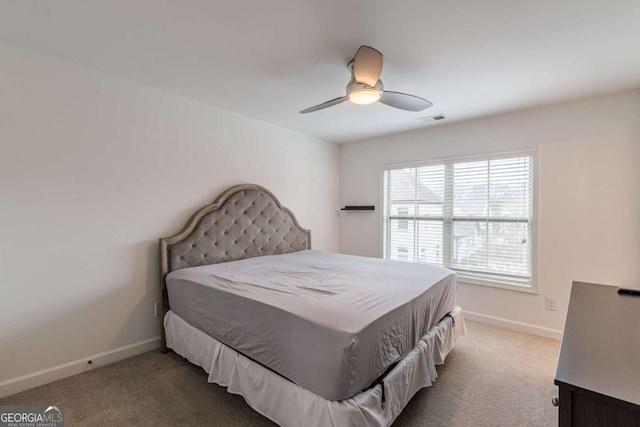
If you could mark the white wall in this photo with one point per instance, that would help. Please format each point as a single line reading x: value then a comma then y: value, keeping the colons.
x: 589, y: 227
x: 93, y: 170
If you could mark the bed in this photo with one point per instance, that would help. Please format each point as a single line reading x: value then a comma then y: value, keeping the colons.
x: 306, y: 337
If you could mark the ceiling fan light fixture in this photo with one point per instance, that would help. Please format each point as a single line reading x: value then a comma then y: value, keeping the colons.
x: 365, y: 96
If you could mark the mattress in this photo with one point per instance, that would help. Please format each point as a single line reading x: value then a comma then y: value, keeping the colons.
x: 328, y: 322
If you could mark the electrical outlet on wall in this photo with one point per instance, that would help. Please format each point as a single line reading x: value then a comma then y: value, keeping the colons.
x: 550, y: 304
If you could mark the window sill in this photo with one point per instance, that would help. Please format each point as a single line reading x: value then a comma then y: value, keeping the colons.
x: 528, y: 289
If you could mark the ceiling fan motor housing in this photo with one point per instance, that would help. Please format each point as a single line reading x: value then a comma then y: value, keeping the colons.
x: 353, y: 85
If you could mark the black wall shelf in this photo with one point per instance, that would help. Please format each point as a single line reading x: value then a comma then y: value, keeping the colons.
x: 359, y: 208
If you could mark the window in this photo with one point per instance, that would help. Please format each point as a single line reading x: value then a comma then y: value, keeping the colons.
x: 473, y: 216
x: 403, y: 224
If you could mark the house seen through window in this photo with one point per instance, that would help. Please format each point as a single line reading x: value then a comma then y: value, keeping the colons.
x: 403, y: 224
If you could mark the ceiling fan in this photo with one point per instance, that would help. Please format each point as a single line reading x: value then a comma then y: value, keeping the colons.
x: 365, y: 86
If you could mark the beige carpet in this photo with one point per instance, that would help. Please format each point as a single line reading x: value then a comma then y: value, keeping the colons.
x: 493, y: 377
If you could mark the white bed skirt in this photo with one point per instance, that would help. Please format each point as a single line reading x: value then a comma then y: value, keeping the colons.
x: 291, y: 405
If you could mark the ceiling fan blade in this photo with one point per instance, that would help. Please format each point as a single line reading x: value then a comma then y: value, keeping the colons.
x: 367, y: 65
x: 331, y: 103
x: 404, y: 101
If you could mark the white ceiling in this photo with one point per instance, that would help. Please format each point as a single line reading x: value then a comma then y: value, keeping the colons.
x: 270, y: 59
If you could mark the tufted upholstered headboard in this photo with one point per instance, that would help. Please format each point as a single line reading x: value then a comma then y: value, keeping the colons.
x: 243, y: 222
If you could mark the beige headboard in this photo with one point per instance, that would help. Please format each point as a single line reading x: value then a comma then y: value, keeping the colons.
x: 243, y: 222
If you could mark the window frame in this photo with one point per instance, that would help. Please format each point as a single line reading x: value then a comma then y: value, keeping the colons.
x: 532, y: 287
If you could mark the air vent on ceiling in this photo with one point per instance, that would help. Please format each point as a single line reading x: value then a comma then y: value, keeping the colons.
x: 435, y: 118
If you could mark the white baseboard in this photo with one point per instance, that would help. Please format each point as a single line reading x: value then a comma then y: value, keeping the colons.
x: 514, y: 325
x: 45, y: 376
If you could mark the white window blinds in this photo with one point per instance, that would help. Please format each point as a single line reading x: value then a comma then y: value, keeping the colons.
x: 474, y: 217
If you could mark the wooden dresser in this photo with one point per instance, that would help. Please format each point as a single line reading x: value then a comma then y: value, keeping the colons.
x: 598, y: 373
